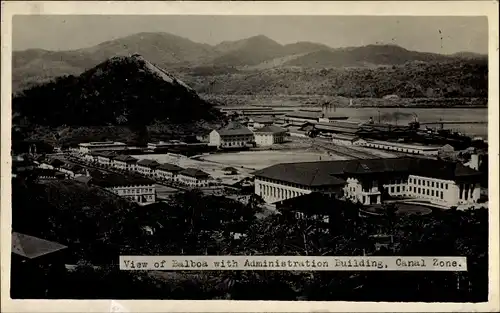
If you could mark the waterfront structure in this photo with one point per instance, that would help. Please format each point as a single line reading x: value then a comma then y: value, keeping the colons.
x: 399, y: 147
x: 344, y: 139
x: 270, y: 135
x: 125, y: 162
x: 146, y: 167
x: 194, y: 177
x: 234, y: 135
x: 340, y: 127
x: 168, y: 171
x: 371, y: 181
x: 136, y: 189
x: 164, y: 144
x: 99, y: 146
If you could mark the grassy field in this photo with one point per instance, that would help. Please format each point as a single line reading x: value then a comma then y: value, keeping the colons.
x: 262, y: 159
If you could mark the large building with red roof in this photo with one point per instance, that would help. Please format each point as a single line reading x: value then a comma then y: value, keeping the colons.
x: 371, y: 181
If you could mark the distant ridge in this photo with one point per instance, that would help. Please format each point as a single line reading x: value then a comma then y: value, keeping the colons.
x: 170, y: 51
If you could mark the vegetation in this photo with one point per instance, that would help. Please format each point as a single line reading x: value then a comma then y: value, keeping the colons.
x: 449, y: 79
x: 191, y: 223
x: 120, y: 91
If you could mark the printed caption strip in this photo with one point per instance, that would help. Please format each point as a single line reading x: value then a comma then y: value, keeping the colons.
x: 292, y: 263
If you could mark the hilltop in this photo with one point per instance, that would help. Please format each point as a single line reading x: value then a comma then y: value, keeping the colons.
x: 258, y: 52
x: 122, y: 91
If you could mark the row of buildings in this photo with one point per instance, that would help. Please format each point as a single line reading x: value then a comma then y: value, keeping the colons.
x: 372, y: 181
x: 150, y: 168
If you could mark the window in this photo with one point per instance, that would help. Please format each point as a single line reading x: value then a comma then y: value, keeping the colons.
x: 398, y: 189
x: 432, y: 193
x: 432, y: 184
x: 441, y: 195
x: 428, y: 184
x: 418, y: 190
x: 441, y: 185
x: 446, y: 186
x: 427, y: 191
x: 392, y: 189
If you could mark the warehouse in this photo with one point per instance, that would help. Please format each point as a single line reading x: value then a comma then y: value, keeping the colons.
x: 399, y: 147
x: 343, y: 139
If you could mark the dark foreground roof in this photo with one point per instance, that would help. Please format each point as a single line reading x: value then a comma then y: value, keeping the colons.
x: 333, y: 172
x: 313, y: 203
x: 32, y: 247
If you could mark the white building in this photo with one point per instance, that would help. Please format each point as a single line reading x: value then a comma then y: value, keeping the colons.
x: 168, y: 171
x: 146, y: 167
x: 136, y: 189
x: 372, y: 181
x: 270, y: 135
x: 232, y: 136
x: 194, y: 177
x: 88, y: 147
x: 125, y: 162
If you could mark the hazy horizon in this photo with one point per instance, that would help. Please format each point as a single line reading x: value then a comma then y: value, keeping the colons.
x: 445, y: 35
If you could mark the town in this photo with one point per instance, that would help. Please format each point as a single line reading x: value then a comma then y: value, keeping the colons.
x: 133, y: 157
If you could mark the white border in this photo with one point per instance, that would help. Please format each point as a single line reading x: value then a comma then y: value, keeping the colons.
x: 427, y: 8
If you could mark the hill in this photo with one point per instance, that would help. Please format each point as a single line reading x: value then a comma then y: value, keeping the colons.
x: 250, y: 51
x: 451, y: 79
x: 128, y: 91
x: 366, y: 55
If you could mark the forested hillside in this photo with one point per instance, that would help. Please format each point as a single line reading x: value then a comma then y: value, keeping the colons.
x: 449, y: 79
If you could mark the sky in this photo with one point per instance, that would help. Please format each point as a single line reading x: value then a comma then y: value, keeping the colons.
x: 431, y: 34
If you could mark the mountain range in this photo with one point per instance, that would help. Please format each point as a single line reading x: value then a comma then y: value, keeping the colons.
x: 171, y: 51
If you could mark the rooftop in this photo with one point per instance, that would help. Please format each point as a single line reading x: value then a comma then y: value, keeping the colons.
x: 194, y: 172
x: 105, y: 154
x: 169, y: 167
x: 148, y: 163
x: 233, y: 129
x: 404, y: 145
x: 271, y: 129
x: 333, y: 172
x: 125, y: 158
x: 32, y: 247
x: 117, y: 180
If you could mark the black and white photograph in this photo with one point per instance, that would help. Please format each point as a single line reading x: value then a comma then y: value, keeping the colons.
x: 249, y: 135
